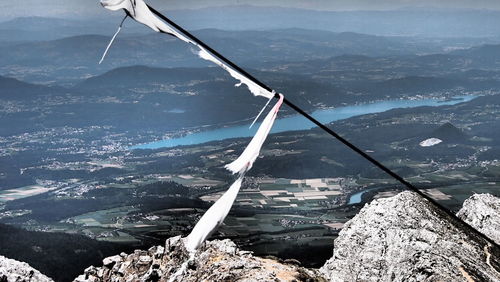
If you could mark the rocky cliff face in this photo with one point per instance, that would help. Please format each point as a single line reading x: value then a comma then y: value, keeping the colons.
x: 404, y: 238
x: 15, y: 271
x: 483, y: 212
x: 216, y: 261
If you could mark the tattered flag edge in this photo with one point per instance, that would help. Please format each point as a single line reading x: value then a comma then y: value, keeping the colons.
x: 245, y: 161
x: 216, y: 214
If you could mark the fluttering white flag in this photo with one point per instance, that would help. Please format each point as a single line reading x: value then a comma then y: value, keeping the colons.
x: 216, y: 214
x: 140, y: 12
x: 213, y: 217
x: 256, y: 89
x: 252, y: 151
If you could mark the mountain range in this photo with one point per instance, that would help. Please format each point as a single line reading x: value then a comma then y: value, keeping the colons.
x: 75, y: 58
x: 410, y: 22
x: 323, y: 54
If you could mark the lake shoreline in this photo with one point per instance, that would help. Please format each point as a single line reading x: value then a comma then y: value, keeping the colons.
x: 297, y: 123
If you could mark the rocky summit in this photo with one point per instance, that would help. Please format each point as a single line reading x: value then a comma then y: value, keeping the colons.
x: 405, y: 238
x: 218, y: 260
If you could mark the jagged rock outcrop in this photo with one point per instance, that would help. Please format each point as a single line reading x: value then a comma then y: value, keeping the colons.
x: 218, y: 260
x: 404, y: 238
x: 15, y: 271
x: 482, y: 211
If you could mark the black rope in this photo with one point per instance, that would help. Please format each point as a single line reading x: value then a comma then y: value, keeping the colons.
x: 326, y: 129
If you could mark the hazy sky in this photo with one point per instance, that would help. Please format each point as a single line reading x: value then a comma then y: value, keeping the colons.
x: 64, y: 8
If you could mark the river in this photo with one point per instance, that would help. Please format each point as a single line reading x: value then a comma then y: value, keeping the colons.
x: 297, y: 122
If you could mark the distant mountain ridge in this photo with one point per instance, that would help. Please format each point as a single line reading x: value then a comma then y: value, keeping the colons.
x: 427, y: 22
x: 72, y: 59
x: 14, y: 89
x: 245, y: 47
x: 140, y: 75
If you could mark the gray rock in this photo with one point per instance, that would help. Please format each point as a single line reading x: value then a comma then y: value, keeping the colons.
x: 15, y: 271
x: 218, y: 260
x: 482, y: 211
x: 145, y: 260
x: 404, y: 238
x: 111, y: 261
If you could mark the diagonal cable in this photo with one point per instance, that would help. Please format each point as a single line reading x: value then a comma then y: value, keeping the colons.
x: 353, y: 147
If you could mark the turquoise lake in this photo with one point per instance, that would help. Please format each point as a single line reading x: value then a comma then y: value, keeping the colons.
x: 356, y: 198
x: 297, y: 122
